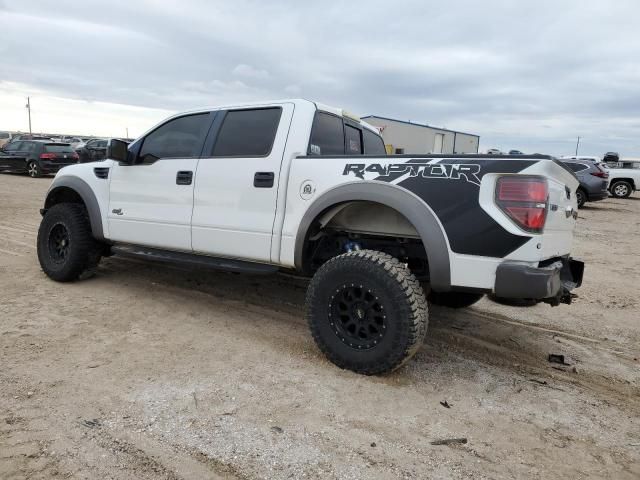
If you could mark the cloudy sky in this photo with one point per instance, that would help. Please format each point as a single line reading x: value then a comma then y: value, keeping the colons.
x: 525, y: 75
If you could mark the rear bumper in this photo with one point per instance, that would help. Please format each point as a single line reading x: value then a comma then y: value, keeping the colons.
x: 600, y: 195
x: 551, y: 283
x: 53, y: 167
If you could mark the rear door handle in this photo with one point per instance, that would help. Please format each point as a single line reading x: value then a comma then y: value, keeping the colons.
x: 263, y: 179
x: 184, y: 177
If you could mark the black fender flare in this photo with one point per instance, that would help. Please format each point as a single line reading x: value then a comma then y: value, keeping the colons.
x: 421, y: 216
x: 85, y: 192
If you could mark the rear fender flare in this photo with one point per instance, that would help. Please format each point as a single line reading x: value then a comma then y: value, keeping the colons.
x: 406, y: 203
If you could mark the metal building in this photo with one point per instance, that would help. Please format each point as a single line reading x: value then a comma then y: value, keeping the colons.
x: 408, y: 137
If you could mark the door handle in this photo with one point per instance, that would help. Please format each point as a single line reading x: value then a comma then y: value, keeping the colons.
x: 184, y: 177
x: 263, y: 179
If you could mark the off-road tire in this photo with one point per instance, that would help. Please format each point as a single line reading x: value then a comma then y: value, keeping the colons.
x: 33, y: 169
x: 581, y: 197
x: 621, y: 189
x: 70, y: 222
x: 454, y: 299
x: 391, y: 294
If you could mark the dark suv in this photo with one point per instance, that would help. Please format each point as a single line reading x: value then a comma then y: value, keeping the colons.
x: 37, y: 157
x: 593, y: 180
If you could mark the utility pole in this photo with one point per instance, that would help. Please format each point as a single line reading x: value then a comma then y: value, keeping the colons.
x: 577, y: 146
x: 127, y: 129
x: 28, y: 105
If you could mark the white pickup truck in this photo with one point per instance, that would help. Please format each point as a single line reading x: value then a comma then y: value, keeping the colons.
x: 299, y: 186
x: 624, y: 177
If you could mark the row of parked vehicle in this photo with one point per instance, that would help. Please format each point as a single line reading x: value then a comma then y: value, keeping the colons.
x: 39, y: 155
x: 599, y: 177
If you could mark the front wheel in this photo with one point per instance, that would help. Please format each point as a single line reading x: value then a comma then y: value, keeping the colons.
x: 367, y: 312
x: 66, y: 247
x: 621, y: 189
x: 33, y: 169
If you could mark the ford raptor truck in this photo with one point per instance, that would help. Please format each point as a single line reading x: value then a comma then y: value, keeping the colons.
x: 302, y: 187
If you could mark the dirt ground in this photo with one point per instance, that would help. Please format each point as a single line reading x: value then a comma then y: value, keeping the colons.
x: 149, y: 371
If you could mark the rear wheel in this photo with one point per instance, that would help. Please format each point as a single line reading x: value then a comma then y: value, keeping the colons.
x: 621, y: 189
x: 66, y: 247
x: 581, y: 197
x: 454, y: 299
x: 367, y: 312
x: 33, y: 169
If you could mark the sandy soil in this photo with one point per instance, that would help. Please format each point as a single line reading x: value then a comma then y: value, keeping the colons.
x: 150, y: 371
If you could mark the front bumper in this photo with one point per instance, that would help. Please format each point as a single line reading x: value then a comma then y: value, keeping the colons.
x: 551, y: 283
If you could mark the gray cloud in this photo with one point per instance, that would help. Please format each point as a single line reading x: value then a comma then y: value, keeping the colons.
x: 530, y: 75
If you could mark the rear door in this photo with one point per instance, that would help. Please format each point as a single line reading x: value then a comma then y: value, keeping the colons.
x: 151, y: 201
x: 237, y: 182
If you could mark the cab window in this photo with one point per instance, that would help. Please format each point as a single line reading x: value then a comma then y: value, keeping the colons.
x: 373, y: 144
x: 181, y: 137
x: 327, y: 135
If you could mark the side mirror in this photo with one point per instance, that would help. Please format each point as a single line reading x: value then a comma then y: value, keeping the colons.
x: 118, y: 150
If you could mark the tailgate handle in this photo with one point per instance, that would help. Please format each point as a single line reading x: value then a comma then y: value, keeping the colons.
x: 263, y: 179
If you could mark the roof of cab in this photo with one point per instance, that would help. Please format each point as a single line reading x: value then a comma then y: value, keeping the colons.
x: 319, y: 106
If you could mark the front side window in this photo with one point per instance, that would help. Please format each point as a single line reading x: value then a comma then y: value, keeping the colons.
x: 181, y: 137
x: 13, y: 147
x: 327, y: 135
x: 247, y: 133
x: 373, y: 144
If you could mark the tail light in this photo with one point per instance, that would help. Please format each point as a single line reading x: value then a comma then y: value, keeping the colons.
x: 47, y: 156
x: 75, y: 156
x: 524, y: 200
x: 601, y: 173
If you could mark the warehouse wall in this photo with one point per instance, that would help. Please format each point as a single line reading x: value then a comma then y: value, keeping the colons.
x: 466, y: 143
x: 421, y: 139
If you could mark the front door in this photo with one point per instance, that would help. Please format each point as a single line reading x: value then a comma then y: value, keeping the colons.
x: 151, y: 201
x: 237, y: 183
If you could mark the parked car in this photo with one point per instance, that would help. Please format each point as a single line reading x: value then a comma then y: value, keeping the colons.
x: 298, y: 186
x: 92, y: 151
x: 75, y: 142
x: 5, y: 137
x: 624, y: 177
x: 37, y: 157
x: 515, y: 152
x: 611, y: 158
x: 494, y: 151
x: 593, y: 180
x: 581, y: 158
x: 29, y: 136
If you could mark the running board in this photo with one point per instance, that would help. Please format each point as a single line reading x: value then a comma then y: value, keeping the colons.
x: 192, y: 259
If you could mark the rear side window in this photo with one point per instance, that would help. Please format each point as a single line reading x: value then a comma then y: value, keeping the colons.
x: 327, y: 135
x: 353, y: 140
x: 181, y: 137
x: 373, y: 144
x: 577, y: 167
x: 4, y: 135
x: 58, y: 148
x: 247, y: 133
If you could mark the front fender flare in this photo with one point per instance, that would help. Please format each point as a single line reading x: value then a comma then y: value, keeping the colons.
x: 421, y: 216
x: 87, y: 195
